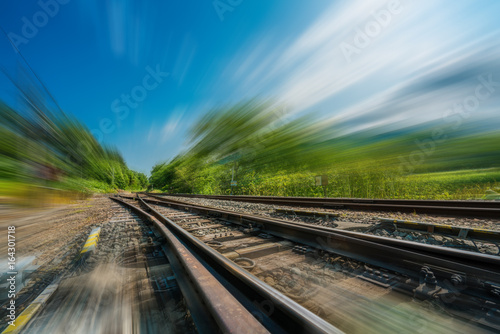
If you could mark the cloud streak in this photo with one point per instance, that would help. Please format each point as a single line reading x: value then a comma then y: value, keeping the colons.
x: 422, y: 62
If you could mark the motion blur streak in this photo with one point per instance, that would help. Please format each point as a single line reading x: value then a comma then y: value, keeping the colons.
x: 46, y: 155
x: 430, y: 52
x: 415, y: 99
x: 105, y: 300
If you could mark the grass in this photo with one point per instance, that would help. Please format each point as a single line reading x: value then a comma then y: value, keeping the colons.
x: 88, y: 186
x: 10, y: 188
x: 53, y: 193
x: 460, y: 184
x: 30, y: 195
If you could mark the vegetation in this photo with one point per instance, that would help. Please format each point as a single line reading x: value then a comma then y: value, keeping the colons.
x: 271, y: 156
x: 50, y: 150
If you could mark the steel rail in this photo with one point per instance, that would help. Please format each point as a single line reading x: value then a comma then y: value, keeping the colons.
x: 284, y: 315
x: 490, y: 209
x: 291, y: 316
x: 229, y: 315
x: 398, y: 255
x: 423, y: 202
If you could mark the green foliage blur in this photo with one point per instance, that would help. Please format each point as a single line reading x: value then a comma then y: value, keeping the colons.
x: 44, y: 149
x: 272, y: 153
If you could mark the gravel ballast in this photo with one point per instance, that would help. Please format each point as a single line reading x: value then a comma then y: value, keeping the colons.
x: 366, y: 222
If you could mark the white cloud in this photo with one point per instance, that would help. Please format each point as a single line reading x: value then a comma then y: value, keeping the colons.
x: 427, y: 40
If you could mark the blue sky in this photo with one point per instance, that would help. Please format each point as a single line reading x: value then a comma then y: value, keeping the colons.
x: 303, y: 54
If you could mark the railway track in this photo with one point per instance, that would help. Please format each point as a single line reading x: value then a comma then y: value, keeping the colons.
x: 237, y: 302
x: 241, y: 273
x: 490, y: 209
x: 318, y: 267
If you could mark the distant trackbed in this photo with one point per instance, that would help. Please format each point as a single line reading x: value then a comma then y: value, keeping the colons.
x: 489, y: 209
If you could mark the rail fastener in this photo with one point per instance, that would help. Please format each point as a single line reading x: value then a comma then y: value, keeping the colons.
x: 456, y: 231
